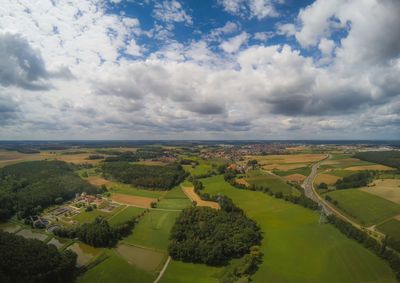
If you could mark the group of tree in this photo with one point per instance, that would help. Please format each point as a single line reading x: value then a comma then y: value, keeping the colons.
x: 30, y: 260
x: 145, y: 176
x: 388, y: 158
x: 213, y: 237
x: 381, y: 249
x: 29, y: 187
x: 322, y: 186
x: 98, y: 233
x: 356, y: 180
x: 241, y: 270
x: 132, y: 156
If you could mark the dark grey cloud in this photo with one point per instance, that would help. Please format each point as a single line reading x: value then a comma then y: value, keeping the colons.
x: 20, y: 64
x: 9, y: 110
x: 206, y: 108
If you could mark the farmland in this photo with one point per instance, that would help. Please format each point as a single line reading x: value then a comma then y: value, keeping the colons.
x: 368, y: 209
x: 296, y: 246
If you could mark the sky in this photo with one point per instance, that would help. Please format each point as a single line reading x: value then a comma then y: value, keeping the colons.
x: 209, y: 69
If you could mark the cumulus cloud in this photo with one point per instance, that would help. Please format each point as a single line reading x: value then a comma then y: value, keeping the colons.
x: 171, y: 11
x: 20, y: 64
x: 217, y: 85
x: 233, y: 44
x: 9, y: 111
x: 259, y: 9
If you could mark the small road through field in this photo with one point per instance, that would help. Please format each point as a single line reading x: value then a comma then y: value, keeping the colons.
x: 162, y: 270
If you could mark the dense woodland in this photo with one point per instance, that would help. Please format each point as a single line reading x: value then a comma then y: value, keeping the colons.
x: 356, y: 180
x: 26, y: 188
x: 132, y: 156
x: 206, y: 235
x: 29, y: 260
x: 145, y: 176
x: 98, y: 233
x: 388, y: 158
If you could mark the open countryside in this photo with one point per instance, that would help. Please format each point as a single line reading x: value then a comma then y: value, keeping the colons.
x: 212, y: 141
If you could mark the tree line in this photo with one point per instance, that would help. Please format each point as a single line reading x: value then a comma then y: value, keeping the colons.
x: 30, y: 260
x: 145, y: 176
x: 27, y: 188
x: 356, y: 180
x: 389, y: 158
x: 98, y: 233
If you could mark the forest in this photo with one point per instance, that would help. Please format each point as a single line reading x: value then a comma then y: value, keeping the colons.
x: 145, y: 176
x: 357, y: 180
x: 27, y: 188
x: 30, y: 260
x: 213, y: 237
x: 388, y: 158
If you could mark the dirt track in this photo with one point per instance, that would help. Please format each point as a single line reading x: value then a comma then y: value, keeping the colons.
x: 189, y: 191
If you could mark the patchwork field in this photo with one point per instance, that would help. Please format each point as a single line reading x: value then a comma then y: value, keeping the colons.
x: 115, y: 269
x: 179, y: 272
x: 85, y: 253
x: 12, y: 157
x: 145, y: 259
x: 121, y: 188
x: 97, y: 181
x: 367, y: 208
x: 296, y: 248
x: 153, y: 230
x: 392, y: 229
x: 189, y: 191
x: 133, y: 200
x: 274, y: 183
x: 298, y: 178
x: 326, y: 178
x: 387, y: 188
x: 126, y: 214
x: 370, y: 167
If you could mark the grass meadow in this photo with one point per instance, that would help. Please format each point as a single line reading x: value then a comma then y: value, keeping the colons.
x: 153, y: 230
x: 296, y: 248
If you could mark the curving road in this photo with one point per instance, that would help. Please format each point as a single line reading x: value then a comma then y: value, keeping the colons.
x: 327, y: 207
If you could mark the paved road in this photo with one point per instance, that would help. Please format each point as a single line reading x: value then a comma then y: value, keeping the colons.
x: 309, y: 188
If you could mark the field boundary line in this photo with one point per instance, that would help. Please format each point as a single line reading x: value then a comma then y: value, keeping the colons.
x: 162, y: 270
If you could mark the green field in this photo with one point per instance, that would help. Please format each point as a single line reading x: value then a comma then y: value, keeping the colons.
x: 176, y: 192
x: 303, y: 171
x: 296, y: 248
x: 120, y: 188
x: 125, y: 215
x: 174, y: 199
x: 392, y: 229
x: 89, y: 216
x: 117, y: 270
x: 367, y: 208
x: 179, y: 272
x: 153, y: 230
x: 259, y: 178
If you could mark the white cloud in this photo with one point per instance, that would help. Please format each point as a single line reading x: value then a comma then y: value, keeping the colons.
x: 189, y: 90
x: 259, y: 9
x: 326, y: 46
x: 233, y: 44
x: 262, y: 36
x: 171, y: 11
